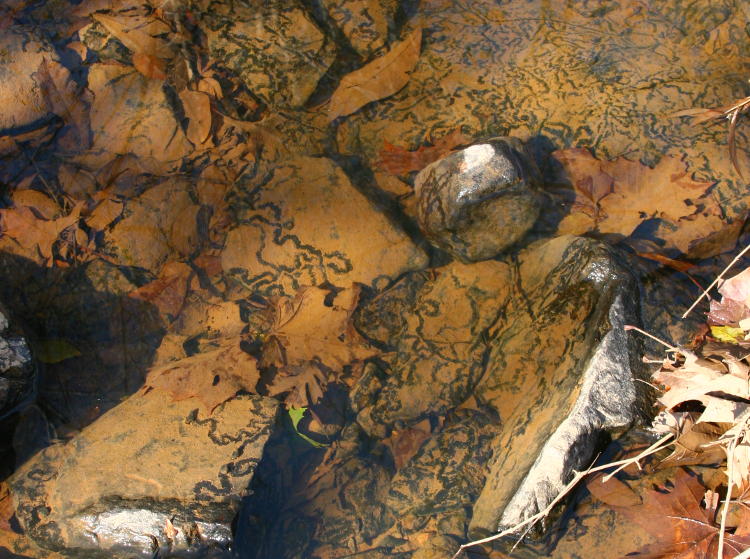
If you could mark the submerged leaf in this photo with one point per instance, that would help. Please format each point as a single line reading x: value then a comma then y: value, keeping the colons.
x: 400, y: 161
x: 380, y: 78
x: 212, y: 377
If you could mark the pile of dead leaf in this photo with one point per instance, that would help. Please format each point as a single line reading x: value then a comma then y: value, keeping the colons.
x: 706, y: 416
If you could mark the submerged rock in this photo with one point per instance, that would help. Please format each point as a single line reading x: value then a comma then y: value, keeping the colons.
x: 478, y: 201
x: 504, y: 376
x: 274, y: 47
x: 561, y: 371
x: 364, y: 23
x: 309, y: 225
x: 17, y: 369
x: 150, y: 474
x: 21, y: 53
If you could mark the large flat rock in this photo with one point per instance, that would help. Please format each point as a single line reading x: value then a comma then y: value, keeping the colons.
x: 114, y: 489
x: 309, y: 225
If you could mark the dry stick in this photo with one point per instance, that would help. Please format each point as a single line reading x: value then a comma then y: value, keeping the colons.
x: 658, y: 445
x: 718, y: 278
x: 669, y: 346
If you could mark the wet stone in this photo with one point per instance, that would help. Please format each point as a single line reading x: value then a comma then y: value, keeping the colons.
x: 561, y: 371
x: 309, y: 225
x: 113, y: 490
x: 440, y: 349
x: 17, y: 369
x: 274, y: 47
x: 478, y: 201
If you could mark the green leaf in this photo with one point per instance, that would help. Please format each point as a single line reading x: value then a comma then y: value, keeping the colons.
x: 55, y: 350
x: 296, y: 415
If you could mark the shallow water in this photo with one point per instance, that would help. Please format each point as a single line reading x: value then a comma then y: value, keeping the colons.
x: 195, y: 221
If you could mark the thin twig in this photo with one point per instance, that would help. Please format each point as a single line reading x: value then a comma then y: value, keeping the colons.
x: 669, y: 346
x: 717, y: 280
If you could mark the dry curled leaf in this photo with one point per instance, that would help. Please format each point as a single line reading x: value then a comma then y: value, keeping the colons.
x: 377, y: 80
x: 212, y: 377
x: 311, y: 341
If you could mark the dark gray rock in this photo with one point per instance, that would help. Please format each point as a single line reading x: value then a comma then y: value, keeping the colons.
x: 17, y: 369
x: 114, y: 490
x: 561, y: 371
x: 478, y: 201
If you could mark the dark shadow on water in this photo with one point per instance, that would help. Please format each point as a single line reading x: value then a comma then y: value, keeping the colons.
x: 87, y: 308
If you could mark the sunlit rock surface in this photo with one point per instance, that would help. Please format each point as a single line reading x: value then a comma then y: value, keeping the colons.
x: 22, y: 105
x: 308, y: 225
x: 478, y: 201
x: 115, y: 488
x: 274, y: 47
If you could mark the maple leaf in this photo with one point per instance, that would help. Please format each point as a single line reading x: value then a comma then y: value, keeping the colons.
x: 683, y: 528
x: 212, y: 377
x: 311, y: 341
x: 400, y: 161
x: 615, y: 197
x: 378, y: 79
x: 168, y: 291
x: 68, y: 100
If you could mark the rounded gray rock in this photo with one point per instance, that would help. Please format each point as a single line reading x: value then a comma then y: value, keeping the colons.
x: 478, y: 201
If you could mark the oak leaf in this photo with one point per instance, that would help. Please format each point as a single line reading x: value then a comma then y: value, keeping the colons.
x: 400, y: 161
x: 36, y: 236
x: 311, y: 341
x: 682, y: 527
x: 615, y: 197
x: 212, y: 377
x: 378, y: 79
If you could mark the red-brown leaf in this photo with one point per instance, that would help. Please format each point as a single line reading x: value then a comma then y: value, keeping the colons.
x: 397, y: 160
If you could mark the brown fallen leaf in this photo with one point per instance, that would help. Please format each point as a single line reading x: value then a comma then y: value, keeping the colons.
x: 613, y: 492
x: 104, y: 213
x: 43, y: 205
x: 150, y: 65
x: 212, y: 377
x: 378, y: 79
x: 168, y: 291
x: 35, y: 235
x: 405, y: 443
x: 400, y: 161
x: 615, y: 197
x: 197, y: 106
x: 136, y: 40
x: 65, y: 98
x: 311, y: 341
x: 682, y: 527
